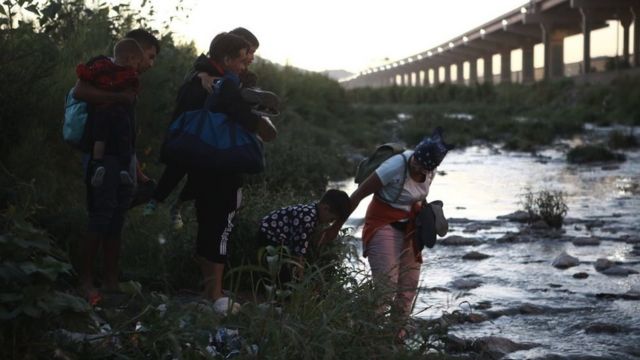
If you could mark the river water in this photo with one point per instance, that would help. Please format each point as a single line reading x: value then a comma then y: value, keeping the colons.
x: 481, y: 183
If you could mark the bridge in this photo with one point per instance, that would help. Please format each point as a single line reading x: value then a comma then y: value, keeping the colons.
x: 545, y: 22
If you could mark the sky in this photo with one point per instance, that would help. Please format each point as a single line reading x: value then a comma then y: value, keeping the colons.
x: 348, y: 34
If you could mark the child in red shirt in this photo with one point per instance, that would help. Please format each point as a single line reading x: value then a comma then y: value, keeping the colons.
x: 111, y: 126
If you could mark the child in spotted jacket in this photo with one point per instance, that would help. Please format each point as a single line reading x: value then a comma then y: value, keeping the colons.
x: 291, y: 226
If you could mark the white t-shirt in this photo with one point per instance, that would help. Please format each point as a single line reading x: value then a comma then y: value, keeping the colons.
x: 390, y: 173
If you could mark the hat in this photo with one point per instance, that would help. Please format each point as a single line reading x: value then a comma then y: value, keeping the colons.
x: 429, y: 222
x: 431, y: 150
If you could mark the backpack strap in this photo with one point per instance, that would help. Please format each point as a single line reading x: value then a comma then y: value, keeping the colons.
x: 404, y: 179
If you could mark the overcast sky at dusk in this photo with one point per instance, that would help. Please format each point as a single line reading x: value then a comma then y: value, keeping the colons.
x: 352, y: 34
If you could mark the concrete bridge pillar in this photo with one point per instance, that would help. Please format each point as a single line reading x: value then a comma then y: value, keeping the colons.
x: 473, y: 71
x: 636, y: 35
x: 436, y: 75
x: 460, y: 73
x: 488, y: 68
x: 586, y: 39
x: 626, y: 17
x: 553, y: 51
x: 447, y: 74
x: 505, y: 66
x: 527, y: 63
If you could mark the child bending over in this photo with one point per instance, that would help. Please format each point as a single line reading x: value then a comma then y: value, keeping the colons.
x: 292, y: 226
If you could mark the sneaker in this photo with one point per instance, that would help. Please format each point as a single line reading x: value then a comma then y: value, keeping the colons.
x: 98, y: 176
x: 264, y: 101
x: 150, y: 208
x: 224, y: 306
x: 262, y: 111
x: 125, y: 178
x: 176, y: 217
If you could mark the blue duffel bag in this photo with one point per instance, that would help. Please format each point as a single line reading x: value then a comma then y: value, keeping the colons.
x: 204, y: 140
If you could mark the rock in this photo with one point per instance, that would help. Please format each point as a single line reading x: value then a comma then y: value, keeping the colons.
x: 603, y: 264
x: 540, y: 225
x: 455, y: 344
x: 580, y: 275
x: 594, y: 224
x: 455, y: 240
x: 607, y: 296
x: 564, y: 261
x: 631, y: 295
x: 438, y: 288
x: 488, y: 347
x: 604, y: 328
x: 518, y: 216
x: 466, y: 284
x: 586, y: 241
x: 630, y: 240
x: 530, y: 309
x: 474, y: 255
x: 497, y: 347
x: 476, y: 318
x: 483, y: 305
x: 475, y: 227
x: 461, y: 318
x: 617, y: 270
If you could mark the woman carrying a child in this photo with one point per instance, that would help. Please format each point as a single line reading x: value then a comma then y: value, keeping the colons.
x: 400, y: 185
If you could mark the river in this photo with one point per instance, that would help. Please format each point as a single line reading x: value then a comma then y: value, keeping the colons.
x: 480, y: 183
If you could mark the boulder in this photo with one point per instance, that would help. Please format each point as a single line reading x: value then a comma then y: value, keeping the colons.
x: 475, y: 227
x: 466, y: 284
x: 617, y: 270
x: 580, y: 275
x: 475, y: 255
x: 518, y: 216
x: 597, y: 328
x: 488, y: 347
x: 494, y: 347
x: 564, y: 261
x: 455, y: 240
x: 586, y: 241
x: 603, y: 264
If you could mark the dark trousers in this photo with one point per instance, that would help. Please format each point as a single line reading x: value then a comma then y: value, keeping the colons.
x: 169, y: 180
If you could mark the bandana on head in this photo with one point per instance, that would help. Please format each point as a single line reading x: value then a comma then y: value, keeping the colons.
x: 431, y: 150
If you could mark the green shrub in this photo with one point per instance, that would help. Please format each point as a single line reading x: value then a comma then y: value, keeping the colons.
x: 592, y: 153
x: 619, y: 140
x: 34, y: 295
x: 548, y: 205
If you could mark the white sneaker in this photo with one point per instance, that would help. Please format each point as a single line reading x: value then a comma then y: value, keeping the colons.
x: 98, y: 176
x: 125, y: 178
x: 224, y: 305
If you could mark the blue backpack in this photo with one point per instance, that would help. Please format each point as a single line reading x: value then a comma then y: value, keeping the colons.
x: 204, y: 140
x: 76, y: 113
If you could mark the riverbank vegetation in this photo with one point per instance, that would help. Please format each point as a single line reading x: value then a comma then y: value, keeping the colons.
x: 522, y: 117
x: 329, y: 315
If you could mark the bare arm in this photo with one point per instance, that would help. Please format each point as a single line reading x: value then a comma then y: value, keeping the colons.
x: 86, y: 92
x: 369, y: 186
x: 207, y: 81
